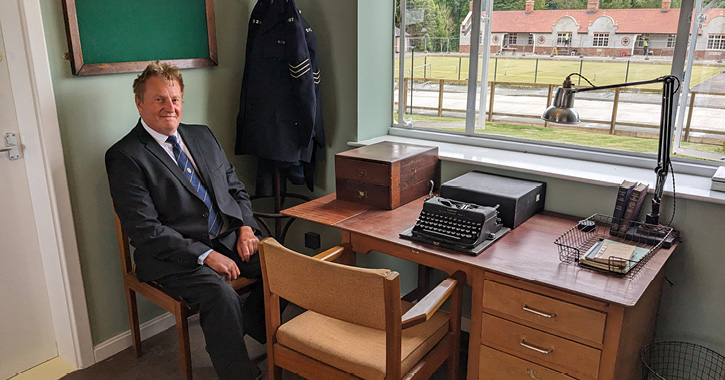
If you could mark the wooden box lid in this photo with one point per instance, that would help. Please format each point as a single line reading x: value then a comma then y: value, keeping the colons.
x: 387, y: 152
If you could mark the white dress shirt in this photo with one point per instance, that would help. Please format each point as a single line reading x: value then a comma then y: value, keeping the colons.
x: 161, y: 139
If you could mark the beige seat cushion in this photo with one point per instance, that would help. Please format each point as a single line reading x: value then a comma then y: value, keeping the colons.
x: 356, y: 349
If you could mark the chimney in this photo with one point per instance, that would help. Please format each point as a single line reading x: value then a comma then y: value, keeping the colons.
x: 666, y: 5
x: 593, y: 6
x: 470, y: 6
x: 530, y: 6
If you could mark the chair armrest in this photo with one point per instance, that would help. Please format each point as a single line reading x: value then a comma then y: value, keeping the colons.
x: 331, y: 254
x: 428, y: 305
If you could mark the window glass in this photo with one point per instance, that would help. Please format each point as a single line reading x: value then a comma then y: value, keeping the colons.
x: 700, y: 119
x: 594, y: 43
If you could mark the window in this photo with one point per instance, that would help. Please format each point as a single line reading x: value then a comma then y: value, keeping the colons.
x: 561, y: 38
x: 671, y: 41
x: 716, y: 42
x: 481, y: 93
x: 640, y: 41
x: 600, y: 39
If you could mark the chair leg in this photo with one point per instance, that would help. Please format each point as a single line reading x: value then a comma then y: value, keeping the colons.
x: 182, y: 329
x: 133, y: 320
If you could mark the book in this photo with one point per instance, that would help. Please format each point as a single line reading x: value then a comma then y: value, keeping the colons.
x: 623, y: 194
x: 608, y: 250
x: 634, y: 206
x: 612, y: 256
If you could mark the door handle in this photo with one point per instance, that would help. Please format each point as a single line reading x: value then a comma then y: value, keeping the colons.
x: 11, y: 143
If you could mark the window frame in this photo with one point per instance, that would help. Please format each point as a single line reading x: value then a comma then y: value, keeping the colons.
x: 671, y: 41
x: 600, y: 39
x: 480, y: 41
x: 717, y: 38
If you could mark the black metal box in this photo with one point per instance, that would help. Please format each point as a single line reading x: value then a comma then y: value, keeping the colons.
x: 518, y: 199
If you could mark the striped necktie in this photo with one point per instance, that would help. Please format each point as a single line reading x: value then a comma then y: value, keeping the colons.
x: 215, y: 223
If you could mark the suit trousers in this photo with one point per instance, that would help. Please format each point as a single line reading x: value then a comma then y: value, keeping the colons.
x: 223, y: 315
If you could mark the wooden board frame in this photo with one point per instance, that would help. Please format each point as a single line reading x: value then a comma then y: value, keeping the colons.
x: 75, y: 55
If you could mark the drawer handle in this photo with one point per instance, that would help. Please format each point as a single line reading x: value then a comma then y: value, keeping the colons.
x: 539, y: 313
x: 362, y: 194
x: 537, y: 349
x: 361, y: 173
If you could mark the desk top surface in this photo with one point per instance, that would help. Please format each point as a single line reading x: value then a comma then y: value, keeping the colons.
x: 527, y: 252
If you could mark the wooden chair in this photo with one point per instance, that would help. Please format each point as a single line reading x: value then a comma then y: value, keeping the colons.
x: 163, y: 298
x: 356, y: 326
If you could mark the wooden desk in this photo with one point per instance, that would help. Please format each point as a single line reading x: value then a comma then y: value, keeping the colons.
x: 531, y: 316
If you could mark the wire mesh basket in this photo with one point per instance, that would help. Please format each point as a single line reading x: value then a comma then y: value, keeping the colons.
x: 578, y: 240
x: 681, y: 361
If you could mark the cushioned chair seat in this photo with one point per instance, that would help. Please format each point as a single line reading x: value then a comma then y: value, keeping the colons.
x: 357, y: 349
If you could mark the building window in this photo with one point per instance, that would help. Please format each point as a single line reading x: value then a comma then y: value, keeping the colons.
x: 671, y: 41
x: 560, y: 39
x: 716, y: 41
x: 511, y: 40
x: 600, y: 39
x: 531, y: 39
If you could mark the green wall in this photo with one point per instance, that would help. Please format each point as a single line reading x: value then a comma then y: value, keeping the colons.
x: 356, y: 63
x: 94, y: 112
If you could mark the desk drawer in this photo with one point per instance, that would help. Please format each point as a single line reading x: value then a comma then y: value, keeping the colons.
x: 496, y: 365
x: 548, y: 312
x: 542, y: 347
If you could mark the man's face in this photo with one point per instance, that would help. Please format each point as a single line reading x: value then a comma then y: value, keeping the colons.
x: 161, y: 105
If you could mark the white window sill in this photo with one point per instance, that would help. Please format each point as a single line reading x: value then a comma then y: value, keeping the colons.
x: 459, y: 149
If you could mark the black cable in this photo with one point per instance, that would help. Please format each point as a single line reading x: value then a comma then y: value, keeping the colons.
x: 674, y: 195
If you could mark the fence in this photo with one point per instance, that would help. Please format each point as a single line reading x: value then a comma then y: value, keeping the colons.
x: 612, y: 120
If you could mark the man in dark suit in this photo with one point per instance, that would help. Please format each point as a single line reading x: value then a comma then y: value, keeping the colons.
x: 189, y: 218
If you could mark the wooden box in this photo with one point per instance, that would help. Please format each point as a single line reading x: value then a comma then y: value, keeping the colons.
x: 386, y: 174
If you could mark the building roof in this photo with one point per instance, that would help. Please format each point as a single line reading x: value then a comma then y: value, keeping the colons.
x: 639, y: 21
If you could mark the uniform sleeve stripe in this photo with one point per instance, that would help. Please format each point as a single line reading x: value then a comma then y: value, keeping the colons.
x: 300, y: 74
x: 305, y: 68
x: 300, y: 64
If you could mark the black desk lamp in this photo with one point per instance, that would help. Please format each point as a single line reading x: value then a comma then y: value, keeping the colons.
x: 561, y: 112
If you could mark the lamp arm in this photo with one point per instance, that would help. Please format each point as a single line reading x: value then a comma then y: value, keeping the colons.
x: 619, y: 85
x: 665, y: 145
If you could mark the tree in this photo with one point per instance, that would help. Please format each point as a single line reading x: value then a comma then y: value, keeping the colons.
x: 508, y: 5
x: 444, y: 26
x: 615, y: 4
x: 567, y: 4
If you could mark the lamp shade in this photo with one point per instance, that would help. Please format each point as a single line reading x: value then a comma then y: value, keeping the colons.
x: 562, y: 111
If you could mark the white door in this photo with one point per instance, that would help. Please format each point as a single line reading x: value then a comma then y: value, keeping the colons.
x: 27, y: 336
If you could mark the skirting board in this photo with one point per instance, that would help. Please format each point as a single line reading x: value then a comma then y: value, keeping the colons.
x: 123, y: 340
x: 154, y: 326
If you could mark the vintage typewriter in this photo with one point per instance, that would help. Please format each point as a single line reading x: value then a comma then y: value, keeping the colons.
x: 461, y: 226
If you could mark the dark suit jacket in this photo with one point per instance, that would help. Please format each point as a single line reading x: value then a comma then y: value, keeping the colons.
x: 162, y: 214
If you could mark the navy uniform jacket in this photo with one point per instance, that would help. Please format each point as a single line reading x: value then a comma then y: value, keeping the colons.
x: 280, y: 116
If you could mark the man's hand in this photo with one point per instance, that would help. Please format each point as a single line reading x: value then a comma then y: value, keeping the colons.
x: 246, y: 242
x: 223, y: 265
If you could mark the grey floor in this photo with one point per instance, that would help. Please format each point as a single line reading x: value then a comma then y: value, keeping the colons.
x: 161, y: 358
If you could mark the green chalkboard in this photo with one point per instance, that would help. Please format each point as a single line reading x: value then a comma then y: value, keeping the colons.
x: 112, y: 36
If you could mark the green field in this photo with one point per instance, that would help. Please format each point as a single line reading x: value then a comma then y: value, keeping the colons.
x: 568, y: 136
x: 549, y: 71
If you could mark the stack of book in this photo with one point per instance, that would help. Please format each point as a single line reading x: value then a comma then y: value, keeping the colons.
x: 613, y: 256
x: 630, y: 198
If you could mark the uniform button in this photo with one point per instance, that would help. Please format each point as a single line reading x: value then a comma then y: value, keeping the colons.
x: 205, y: 235
x: 206, y: 214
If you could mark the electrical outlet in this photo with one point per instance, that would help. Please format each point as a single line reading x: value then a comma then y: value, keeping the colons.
x: 312, y: 240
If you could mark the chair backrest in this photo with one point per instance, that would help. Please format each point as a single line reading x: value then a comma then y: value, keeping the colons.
x: 123, y: 247
x: 352, y: 294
